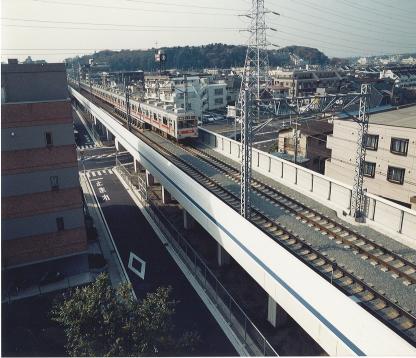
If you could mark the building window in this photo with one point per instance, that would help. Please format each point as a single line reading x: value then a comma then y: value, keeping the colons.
x: 369, y: 169
x: 54, y: 182
x: 395, y: 175
x: 399, y: 146
x: 371, y: 142
x: 60, y: 224
x: 48, y: 139
x: 219, y: 91
x: 219, y: 101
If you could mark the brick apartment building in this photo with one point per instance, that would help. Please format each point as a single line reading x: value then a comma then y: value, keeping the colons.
x: 42, y: 208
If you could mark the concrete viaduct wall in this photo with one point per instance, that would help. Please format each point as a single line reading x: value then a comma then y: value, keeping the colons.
x: 382, y: 214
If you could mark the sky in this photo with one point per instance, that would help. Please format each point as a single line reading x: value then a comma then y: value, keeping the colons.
x: 57, y: 29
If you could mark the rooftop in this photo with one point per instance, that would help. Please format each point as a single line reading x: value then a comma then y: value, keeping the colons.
x: 404, y: 117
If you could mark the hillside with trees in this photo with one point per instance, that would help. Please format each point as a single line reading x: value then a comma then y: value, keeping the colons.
x: 198, y: 57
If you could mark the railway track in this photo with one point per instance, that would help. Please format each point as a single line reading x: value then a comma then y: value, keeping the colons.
x: 375, y: 254
x: 387, y: 311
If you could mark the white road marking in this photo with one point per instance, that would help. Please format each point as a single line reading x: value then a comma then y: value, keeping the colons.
x: 142, y: 271
x: 96, y: 179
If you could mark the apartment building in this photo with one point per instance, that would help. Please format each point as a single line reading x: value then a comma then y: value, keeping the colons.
x: 199, y: 93
x: 390, y: 166
x: 42, y: 206
x: 307, y: 82
x: 403, y: 76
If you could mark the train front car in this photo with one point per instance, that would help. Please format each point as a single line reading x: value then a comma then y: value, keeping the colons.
x: 187, y: 126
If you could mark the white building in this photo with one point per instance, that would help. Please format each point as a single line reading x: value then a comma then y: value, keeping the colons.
x: 403, y: 76
x: 390, y: 166
x: 199, y: 94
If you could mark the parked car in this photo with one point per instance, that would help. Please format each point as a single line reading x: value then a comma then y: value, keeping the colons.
x: 51, y: 277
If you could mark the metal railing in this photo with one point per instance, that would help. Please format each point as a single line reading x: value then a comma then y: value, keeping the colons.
x: 246, y: 331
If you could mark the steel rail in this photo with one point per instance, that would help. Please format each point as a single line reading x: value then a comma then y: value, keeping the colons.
x: 345, y: 235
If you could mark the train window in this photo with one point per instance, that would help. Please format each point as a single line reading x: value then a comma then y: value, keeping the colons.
x: 155, y: 116
x: 165, y: 121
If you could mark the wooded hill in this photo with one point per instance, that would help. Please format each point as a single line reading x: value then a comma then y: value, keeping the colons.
x: 198, y: 57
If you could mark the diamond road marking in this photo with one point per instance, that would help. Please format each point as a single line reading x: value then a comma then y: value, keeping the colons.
x: 136, y: 271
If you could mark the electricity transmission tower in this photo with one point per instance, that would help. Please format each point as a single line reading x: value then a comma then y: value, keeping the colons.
x: 255, y: 85
x: 357, y: 200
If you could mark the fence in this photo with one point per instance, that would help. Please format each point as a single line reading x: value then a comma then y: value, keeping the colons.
x: 242, y: 326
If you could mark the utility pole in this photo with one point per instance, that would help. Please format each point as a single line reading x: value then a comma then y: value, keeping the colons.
x: 127, y: 93
x: 185, y: 93
x: 358, y: 198
x: 90, y: 79
x: 79, y: 75
x: 254, y: 85
x: 296, y: 140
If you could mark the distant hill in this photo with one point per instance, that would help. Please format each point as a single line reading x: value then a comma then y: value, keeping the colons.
x: 198, y: 57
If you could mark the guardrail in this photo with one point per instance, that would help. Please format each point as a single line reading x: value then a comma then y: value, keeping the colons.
x: 330, y: 192
x: 243, y: 327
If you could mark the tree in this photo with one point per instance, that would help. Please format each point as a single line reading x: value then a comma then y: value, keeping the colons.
x: 102, y: 321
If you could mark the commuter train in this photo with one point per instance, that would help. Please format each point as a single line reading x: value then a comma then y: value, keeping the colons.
x: 171, y: 122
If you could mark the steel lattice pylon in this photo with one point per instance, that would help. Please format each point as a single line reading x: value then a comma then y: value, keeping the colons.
x: 357, y: 199
x: 255, y: 83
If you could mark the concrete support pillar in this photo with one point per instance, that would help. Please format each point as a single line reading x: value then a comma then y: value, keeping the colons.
x: 150, y: 179
x: 135, y: 165
x: 223, y: 257
x: 276, y: 315
x: 271, y: 311
x: 95, y: 120
x: 188, y: 220
x: 116, y: 144
x: 109, y: 135
x: 166, y: 197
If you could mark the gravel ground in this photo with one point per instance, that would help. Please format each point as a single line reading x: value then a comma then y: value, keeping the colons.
x: 382, y: 281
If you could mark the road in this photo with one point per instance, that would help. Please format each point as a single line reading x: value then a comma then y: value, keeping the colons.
x: 151, y: 264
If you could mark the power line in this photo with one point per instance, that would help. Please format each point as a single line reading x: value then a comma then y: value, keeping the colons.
x: 338, y: 23
x: 181, y: 5
x: 130, y: 8
x: 338, y: 38
x: 395, y: 8
x: 355, y: 19
x: 151, y: 28
x: 332, y: 29
x: 365, y: 8
x: 360, y: 51
x: 121, y: 25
